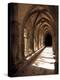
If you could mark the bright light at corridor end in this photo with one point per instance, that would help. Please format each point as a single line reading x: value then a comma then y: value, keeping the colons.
x: 45, y: 59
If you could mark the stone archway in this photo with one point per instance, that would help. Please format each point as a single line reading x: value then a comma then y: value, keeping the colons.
x: 35, y: 22
x: 48, y: 40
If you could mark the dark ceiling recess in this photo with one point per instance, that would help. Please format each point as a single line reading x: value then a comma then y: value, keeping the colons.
x: 48, y: 40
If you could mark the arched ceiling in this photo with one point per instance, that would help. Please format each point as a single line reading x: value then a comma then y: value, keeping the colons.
x: 40, y: 19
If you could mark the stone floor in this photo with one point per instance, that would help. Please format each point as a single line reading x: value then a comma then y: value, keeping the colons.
x: 39, y: 64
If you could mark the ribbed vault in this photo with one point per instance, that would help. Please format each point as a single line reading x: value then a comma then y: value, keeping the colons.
x: 38, y: 22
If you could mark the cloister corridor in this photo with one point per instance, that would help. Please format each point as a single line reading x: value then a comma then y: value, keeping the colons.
x: 33, y: 39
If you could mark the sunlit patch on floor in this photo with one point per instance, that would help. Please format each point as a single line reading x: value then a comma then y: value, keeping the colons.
x: 27, y: 58
x: 45, y: 59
